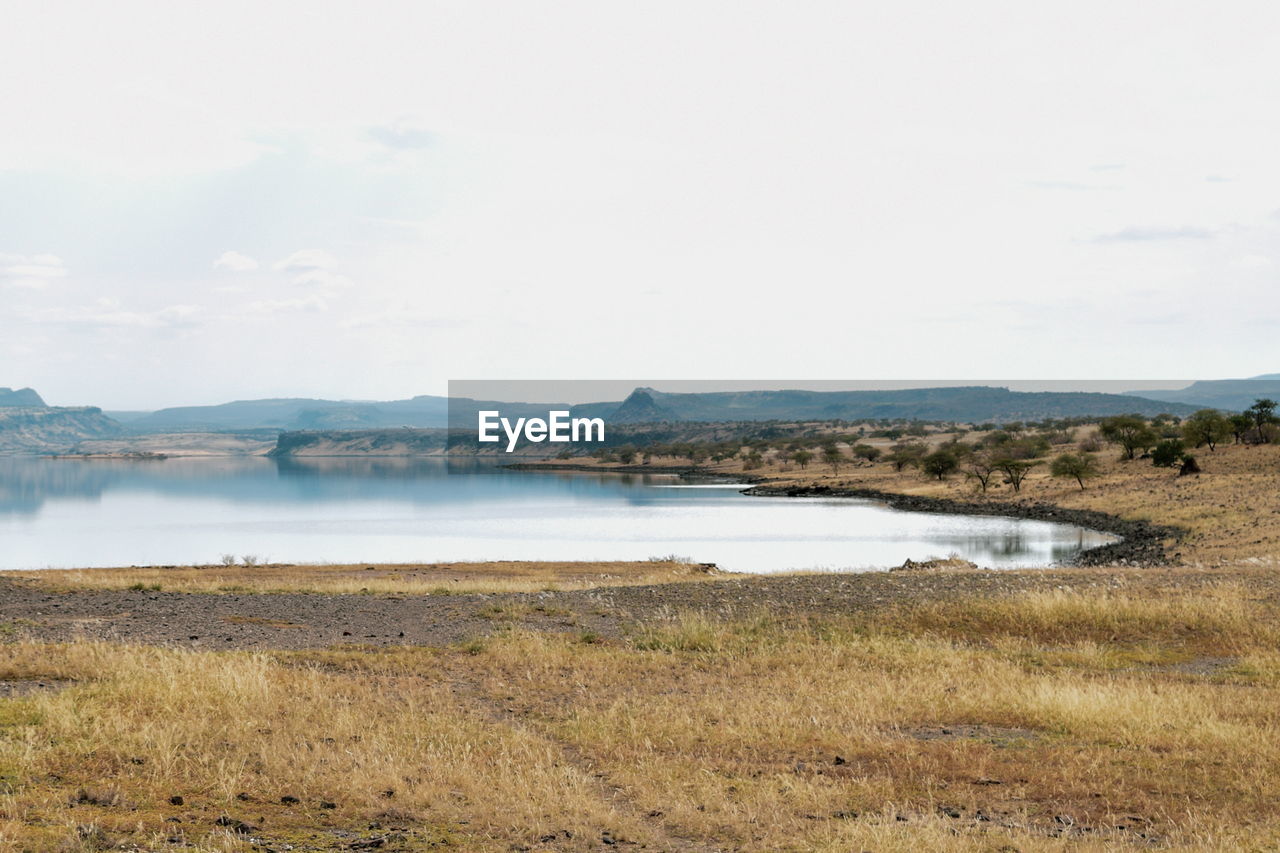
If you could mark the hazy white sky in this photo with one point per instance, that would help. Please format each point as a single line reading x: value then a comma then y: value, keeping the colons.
x: 201, y: 202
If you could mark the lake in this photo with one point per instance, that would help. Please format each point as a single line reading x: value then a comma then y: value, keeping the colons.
x: 64, y: 513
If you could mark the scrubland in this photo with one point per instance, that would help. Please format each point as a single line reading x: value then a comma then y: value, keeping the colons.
x: 1091, y: 716
x: 1042, y: 721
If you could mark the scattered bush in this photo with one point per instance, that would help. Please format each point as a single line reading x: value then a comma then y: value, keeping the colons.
x: 867, y: 452
x: 1167, y: 453
x: 1080, y: 466
x: 1131, y: 432
x: 1207, y: 426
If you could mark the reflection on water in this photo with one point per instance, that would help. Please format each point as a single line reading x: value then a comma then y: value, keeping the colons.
x: 66, y: 512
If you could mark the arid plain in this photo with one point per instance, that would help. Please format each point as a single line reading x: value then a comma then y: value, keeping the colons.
x: 668, y: 706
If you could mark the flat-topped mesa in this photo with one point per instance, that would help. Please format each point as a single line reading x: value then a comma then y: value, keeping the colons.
x: 45, y: 429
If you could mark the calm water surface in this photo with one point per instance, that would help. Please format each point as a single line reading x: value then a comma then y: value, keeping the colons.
x: 63, y: 513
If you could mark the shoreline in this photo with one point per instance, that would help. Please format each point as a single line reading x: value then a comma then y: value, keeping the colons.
x: 1142, y: 543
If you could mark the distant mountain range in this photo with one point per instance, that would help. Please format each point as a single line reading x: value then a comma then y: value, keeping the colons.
x: 970, y: 404
x: 294, y: 413
x: 1231, y: 394
x: 27, y: 424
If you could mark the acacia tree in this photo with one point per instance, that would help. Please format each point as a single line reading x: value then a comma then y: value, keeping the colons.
x: 867, y: 452
x: 1263, y: 414
x: 1207, y: 426
x: 982, y: 468
x: 1015, y: 471
x: 1081, y: 466
x: 906, y: 453
x: 939, y: 463
x: 1131, y: 432
x: 833, y: 457
x: 802, y: 457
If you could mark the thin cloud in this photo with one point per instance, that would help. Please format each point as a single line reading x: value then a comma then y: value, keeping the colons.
x: 305, y: 260
x: 1136, y: 234
x: 402, y: 135
x: 315, y: 268
x: 30, y: 271
x: 106, y: 313
x: 235, y: 262
x: 278, y: 306
x: 322, y: 279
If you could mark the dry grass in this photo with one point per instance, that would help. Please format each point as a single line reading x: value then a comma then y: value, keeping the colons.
x: 376, y: 579
x: 1050, y: 721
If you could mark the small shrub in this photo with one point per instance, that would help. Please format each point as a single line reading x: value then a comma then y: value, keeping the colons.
x: 1167, y: 453
x: 1092, y: 444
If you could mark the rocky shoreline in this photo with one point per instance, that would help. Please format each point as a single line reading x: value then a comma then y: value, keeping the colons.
x: 1142, y: 543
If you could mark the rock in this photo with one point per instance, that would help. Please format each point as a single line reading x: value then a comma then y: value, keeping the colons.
x: 239, y: 827
x: 951, y: 564
x: 290, y: 800
x: 177, y: 800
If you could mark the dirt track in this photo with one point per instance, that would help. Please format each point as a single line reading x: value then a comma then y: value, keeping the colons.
x: 238, y: 621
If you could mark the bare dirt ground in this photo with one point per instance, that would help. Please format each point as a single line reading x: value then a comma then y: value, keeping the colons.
x: 32, y: 610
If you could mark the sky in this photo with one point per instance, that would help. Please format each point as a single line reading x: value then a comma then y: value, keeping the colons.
x: 207, y: 202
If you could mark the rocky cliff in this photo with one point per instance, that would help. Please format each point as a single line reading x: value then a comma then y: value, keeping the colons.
x: 51, y: 429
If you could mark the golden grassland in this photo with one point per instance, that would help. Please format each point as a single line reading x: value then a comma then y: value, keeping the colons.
x: 1048, y: 721
x: 374, y: 578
